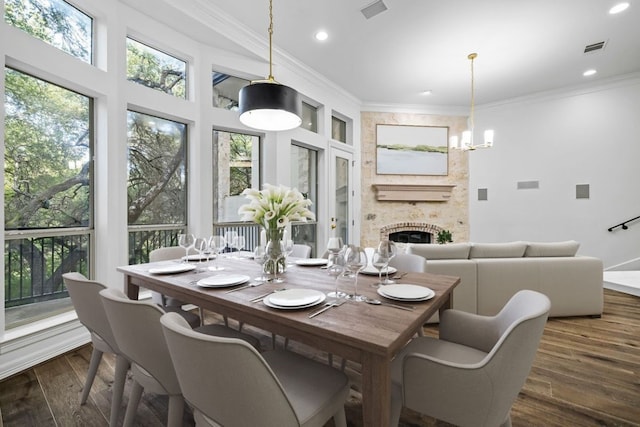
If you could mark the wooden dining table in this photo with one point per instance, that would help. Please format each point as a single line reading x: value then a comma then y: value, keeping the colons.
x: 369, y: 334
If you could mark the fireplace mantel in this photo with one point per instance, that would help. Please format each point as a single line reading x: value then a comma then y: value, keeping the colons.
x: 413, y: 193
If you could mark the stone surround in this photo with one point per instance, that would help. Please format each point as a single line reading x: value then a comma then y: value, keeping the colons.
x: 452, y: 214
x: 410, y: 226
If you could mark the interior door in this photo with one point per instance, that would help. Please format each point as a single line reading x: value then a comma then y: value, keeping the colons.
x: 341, y: 187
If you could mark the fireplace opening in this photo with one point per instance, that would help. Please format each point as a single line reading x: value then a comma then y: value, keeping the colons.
x: 410, y: 236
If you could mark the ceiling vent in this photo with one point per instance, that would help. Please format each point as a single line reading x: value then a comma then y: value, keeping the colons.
x: 373, y: 9
x: 594, y: 47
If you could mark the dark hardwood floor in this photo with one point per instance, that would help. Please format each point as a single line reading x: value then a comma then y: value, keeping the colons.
x: 586, y: 373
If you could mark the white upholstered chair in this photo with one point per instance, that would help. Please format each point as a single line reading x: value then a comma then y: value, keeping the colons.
x: 473, y: 373
x: 138, y: 333
x: 301, y: 251
x: 168, y: 303
x: 409, y: 263
x: 85, y: 295
x: 229, y: 383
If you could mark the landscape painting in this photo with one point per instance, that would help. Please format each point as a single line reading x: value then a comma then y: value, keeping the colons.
x: 412, y: 150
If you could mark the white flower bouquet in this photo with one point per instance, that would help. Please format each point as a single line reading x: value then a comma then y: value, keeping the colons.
x: 275, y: 207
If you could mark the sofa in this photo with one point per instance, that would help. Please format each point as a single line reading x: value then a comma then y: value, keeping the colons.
x: 490, y: 273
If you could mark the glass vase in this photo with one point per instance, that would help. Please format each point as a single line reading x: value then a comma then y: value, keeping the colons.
x: 275, y: 256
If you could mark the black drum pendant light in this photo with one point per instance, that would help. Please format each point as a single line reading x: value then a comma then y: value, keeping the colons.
x: 266, y: 104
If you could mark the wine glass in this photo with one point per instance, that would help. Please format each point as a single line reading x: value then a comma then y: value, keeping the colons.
x: 355, y: 259
x: 380, y: 261
x: 260, y: 256
x: 200, y: 244
x: 337, y: 269
x: 229, y: 240
x: 389, y: 249
x: 238, y: 243
x: 275, y: 252
x: 288, y: 249
x: 186, y: 241
x: 216, y: 243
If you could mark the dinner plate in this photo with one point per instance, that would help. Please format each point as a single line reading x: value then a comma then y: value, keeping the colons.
x: 311, y: 261
x: 405, y: 292
x: 172, y: 268
x: 371, y: 270
x: 222, y: 280
x: 195, y: 257
x: 292, y: 299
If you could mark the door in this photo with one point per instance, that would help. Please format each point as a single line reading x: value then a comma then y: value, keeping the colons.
x: 341, y: 188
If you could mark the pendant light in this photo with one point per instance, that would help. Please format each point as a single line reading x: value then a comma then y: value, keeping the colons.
x: 467, y: 142
x: 266, y: 104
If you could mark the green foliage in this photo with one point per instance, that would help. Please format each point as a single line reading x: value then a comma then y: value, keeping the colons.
x: 444, y: 236
x: 240, y: 163
x: 156, y: 70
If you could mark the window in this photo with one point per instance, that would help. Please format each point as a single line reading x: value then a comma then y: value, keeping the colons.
x: 338, y: 129
x: 226, y: 89
x: 55, y: 22
x: 304, y: 177
x: 309, y: 117
x: 48, y: 203
x: 155, y: 69
x: 157, y: 184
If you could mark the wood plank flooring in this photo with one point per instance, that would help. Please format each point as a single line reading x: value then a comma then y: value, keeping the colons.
x: 586, y: 373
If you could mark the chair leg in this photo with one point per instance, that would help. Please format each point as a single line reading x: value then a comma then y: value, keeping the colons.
x: 132, y: 406
x: 201, y: 312
x: 340, y: 418
x: 120, y: 377
x: 96, y: 356
x: 176, y: 409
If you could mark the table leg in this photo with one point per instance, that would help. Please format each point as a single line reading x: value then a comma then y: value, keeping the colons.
x: 446, y: 305
x: 129, y: 288
x: 376, y: 390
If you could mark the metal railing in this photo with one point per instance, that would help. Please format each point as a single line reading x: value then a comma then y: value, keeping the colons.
x: 623, y: 224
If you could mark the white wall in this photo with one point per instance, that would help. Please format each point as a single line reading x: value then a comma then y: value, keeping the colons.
x: 590, y: 135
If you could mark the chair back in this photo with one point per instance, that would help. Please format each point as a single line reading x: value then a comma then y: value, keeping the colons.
x: 301, y: 251
x: 409, y: 263
x: 226, y: 379
x: 85, y: 296
x: 136, y: 326
x: 166, y: 253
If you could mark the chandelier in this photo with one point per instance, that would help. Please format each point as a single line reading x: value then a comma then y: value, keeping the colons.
x: 266, y: 104
x: 467, y: 142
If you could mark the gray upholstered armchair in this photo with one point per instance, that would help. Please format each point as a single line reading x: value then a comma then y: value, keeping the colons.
x: 471, y: 375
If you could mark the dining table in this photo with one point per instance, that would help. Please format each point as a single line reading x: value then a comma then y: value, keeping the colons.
x: 365, y: 333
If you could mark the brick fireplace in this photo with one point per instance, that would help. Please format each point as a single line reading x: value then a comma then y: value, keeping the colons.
x: 410, y: 232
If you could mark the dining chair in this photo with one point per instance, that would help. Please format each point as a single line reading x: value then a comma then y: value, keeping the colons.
x: 169, y: 303
x: 301, y: 251
x: 473, y: 373
x: 86, y: 300
x: 229, y: 383
x: 409, y: 263
x: 138, y: 333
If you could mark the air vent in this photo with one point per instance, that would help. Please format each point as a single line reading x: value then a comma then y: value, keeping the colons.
x: 373, y: 9
x: 594, y: 47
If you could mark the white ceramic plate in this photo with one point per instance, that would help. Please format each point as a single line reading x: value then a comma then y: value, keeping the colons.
x: 371, y: 270
x: 222, y: 280
x: 173, y: 268
x: 311, y: 261
x: 404, y: 292
x: 294, y: 299
x: 195, y: 257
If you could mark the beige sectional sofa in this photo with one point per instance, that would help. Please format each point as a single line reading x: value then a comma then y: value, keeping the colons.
x: 491, y: 273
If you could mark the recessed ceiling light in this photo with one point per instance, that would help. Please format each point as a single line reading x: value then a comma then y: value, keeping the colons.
x: 426, y: 92
x: 589, y: 73
x: 322, y: 35
x: 619, y: 8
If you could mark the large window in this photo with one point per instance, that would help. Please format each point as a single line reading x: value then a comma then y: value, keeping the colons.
x: 157, y: 184
x: 55, y: 22
x: 226, y: 89
x: 48, y: 203
x: 155, y: 69
x: 304, y: 177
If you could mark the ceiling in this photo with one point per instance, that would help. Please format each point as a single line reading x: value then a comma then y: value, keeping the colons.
x: 523, y: 46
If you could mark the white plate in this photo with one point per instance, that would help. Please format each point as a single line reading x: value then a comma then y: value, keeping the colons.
x: 195, y: 257
x: 295, y: 297
x: 294, y: 303
x: 173, y: 268
x: 371, y: 270
x: 403, y: 292
x: 312, y: 261
x: 222, y: 280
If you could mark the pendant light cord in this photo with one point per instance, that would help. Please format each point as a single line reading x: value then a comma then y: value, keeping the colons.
x: 270, y: 78
x: 472, y: 56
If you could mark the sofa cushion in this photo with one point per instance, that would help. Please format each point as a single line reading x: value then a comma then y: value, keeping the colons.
x: 498, y: 250
x: 435, y: 251
x: 552, y: 249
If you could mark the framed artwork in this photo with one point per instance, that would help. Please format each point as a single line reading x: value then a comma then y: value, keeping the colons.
x: 412, y: 150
